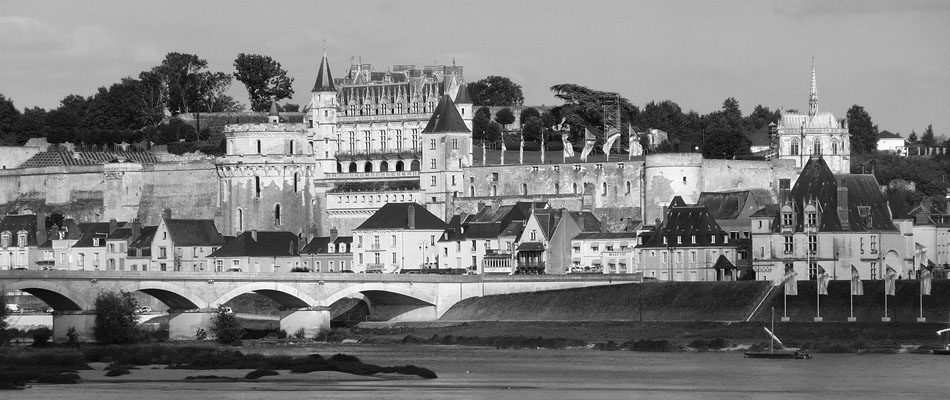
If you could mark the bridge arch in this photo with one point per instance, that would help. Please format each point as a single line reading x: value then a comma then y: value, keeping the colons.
x: 57, y: 296
x: 380, y: 292
x: 173, y: 296
x: 285, y: 295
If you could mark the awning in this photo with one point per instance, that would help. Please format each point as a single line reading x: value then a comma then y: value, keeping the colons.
x: 723, y: 263
x: 531, y: 246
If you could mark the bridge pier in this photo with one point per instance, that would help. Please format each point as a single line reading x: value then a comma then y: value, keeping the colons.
x: 82, y: 321
x: 184, y: 325
x: 313, y: 320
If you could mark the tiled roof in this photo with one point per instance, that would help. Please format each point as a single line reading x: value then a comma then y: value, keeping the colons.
x: 723, y: 205
x: 318, y: 245
x: 888, y: 135
x: 446, y: 118
x: 267, y: 244
x: 324, y: 81
x: 16, y: 223
x: 69, y: 158
x: 396, y: 216
x: 194, y: 232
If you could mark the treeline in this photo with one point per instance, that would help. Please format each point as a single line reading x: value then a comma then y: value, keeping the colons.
x: 134, y: 108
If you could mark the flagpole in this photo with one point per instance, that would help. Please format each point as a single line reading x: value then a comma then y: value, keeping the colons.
x: 852, y: 303
x: 818, y: 299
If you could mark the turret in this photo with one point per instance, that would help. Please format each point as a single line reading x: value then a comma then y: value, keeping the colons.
x: 273, y: 116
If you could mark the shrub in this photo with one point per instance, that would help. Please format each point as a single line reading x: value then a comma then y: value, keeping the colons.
x: 58, y: 378
x: 226, y: 327
x: 41, y: 336
x: 118, y: 372
x: 72, y: 337
x: 116, y: 320
x: 300, y: 334
x: 201, y: 334
x: 259, y: 373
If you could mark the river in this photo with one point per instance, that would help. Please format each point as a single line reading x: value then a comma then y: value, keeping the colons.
x: 487, y: 373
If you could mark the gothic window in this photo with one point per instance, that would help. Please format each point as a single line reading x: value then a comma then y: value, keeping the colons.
x: 415, y: 139
x: 794, y: 147
x: 384, y: 166
x: 368, y: 138
x: 834, y: 147
x: 353, y: 167
x: 400, y: 166
x: 277, y: 214
x: 352, y: 141
x: 399, y: 139
x: 383, y: 143
x: 817, y: 151
x: 414, y: 166
x: 368, y: 167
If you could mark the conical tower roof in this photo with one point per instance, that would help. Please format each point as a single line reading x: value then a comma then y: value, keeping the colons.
x: 463, y: 97
x: 446, y: 118
x: 324, y: 81
x: 273, y: 109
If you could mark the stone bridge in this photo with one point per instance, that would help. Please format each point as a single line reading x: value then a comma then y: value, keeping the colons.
x: 193, y: 297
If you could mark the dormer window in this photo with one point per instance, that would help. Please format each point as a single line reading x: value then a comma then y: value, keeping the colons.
x: 5, y: 239
x: 21, y: 240
x: 865, y: 212
x: 331, y: 248
x: 95, y: 242
x: 811, y: 216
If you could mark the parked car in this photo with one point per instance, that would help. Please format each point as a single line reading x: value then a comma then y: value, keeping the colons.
x: 143, y: 310
x: 14, y: 308
x: 48, y: 309
x: 226, y: 310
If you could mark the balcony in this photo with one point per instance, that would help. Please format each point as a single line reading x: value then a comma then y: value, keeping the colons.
x: 373, y: 175
x: 375, y: 267
x: 375, y: 246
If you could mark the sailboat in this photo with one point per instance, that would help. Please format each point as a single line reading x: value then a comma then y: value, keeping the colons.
x: 772, y: 353
x: 945, y: 351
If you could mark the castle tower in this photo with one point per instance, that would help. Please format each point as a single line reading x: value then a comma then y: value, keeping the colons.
x: 463, y: 101
x: 446, y: 148
x: 322, y: 118
x: 815, y: 134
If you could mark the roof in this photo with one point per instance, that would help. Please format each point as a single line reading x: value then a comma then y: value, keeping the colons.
x: 376, y: 186
x: 888, y: 135
x: 530, y: 246
x: 396, y: 216
x: 463, y: 97
x: 69, y: 158
x: 194, y: 232
x: 145, y: 237
x: 586, y: 221
x: 605, y: 235
x: 23, y: 222
x: 273, y: 109
x: 324, y: 81
x: 88, y: 240
x: 267, y: 244
x: 817, y: 183
x: 723, y: 263
x: 770, y: 210
x: 489, y: 222
x: 723, y: 205
x: 446, y: 118
x: 690, y: 225
x: 318, y: 245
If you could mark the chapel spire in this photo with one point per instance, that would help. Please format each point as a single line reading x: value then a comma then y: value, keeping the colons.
x: 813, y: 94
x: 324, y: 81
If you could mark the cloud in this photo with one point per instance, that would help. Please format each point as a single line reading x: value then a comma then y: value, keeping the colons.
x: 25, y: 34
x: 819, y: 8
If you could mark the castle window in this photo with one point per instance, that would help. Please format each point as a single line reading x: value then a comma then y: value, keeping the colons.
x: 432, y: 164
x: 574, y: 188
x: 339, y: 167
x: 399, y: 139
x: 471, y: 191
x: 834, y: 147
x: 494, y: 177
x: 291, y: 147
x: 296, y: 178
x: 794, y: 147
x: 494, y: 190
x: 353, y: 167
x: 604, y: 188
x: 455, y: 144
x: 240, y: 219
x: 432, y: 144
x: 432, y: 181
x: 817, y: 151
x: 258, y: 147
x: 277, y: 214
x: 524, y: 189
x: 257, y: 187
x: 813, y: 244
x: 789, y: 244
x: 557, y: 188
x: 384, y: 166
x: 368, y: 167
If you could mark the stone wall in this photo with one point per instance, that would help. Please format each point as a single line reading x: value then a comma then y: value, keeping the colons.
x: 12, y: 156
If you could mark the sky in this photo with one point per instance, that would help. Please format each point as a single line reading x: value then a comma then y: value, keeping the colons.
x: 891, y: 57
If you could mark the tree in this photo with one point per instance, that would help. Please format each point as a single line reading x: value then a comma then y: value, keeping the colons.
x: 179, y: 73
x: 927, y: 139
x: 912, y: 138
x: 863, y: 131
x: 116, y: 319
x: 9, y: 118
x: 532, y: 130
x: 290, y: 107
x: 212, y: 92
x: 4, y: 313
x: 505, y: 117
x: 527, y: 113
x: 495, y: 91
x: 583, y: 108
x: 493, y: 132
x: 724, y: 137
x: 225, y: 327
x: 265, y: 80
x: 69, y: 114
x: 480, y: 123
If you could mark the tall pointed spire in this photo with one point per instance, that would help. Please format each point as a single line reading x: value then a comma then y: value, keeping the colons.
x: 324, y: 81
x: 813, y: 94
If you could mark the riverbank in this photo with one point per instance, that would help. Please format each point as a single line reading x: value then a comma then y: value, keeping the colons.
x: 829, y: 337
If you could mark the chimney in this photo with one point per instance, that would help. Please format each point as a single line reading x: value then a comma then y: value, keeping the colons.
x: 41, y: 229
x: 254, y: 234
x: 580, y: 220
x: 112, y: 225
x: 412, y: 216
x: 136, y: 228
x: 167, y: 213
x: 333, y: 234
x: 843, y: 209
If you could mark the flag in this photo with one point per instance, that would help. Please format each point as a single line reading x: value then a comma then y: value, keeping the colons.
x: 791, y: 283
x: 857, y: 287
x: 611, y: 136
x: 635, y: 148
x: 925, y: 277
x: 521, y: 151
x: 484, y: 154
x: 503, y: 149
x: 823, y: 279
x: 890, y: 281
x: 589, y: 140
x: 568, y: 147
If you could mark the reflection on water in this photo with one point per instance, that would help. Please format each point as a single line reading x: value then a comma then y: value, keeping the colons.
x: 485, y: 373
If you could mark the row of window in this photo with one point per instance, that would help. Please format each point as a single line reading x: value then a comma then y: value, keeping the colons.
x: 388, y: 109
x: 352, y: 143
x: 816, y: 147
x: 5, y: 239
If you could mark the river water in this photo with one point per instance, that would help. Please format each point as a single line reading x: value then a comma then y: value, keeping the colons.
x: 487, y: 373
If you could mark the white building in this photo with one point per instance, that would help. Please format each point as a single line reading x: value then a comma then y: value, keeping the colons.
x: 398, y: 237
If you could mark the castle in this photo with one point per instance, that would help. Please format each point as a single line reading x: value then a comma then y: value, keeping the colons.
x: 403, y: 135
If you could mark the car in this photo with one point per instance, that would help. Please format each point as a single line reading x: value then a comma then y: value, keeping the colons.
x: 226, y: 310
x: 143, y: 309
x: 14, y: 308
x: 48, y: 309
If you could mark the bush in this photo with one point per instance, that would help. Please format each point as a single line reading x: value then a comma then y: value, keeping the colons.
x: 116, y: 320
x: 226, y: 327
x: 201, y: 334
x: 257, y: 373
x: 41, y: 336
x: 72, y: 337
x: 58, y: 378
x: 118, y: 372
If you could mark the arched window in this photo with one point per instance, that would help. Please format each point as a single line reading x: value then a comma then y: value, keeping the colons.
x: 794, y: 147
x: 574, y: 188
x: 414, y: 166
x: 258, y: 147
x: 817, y: 151
x: 353, y: 167
x: 295, y: 182
x: 277, y: 214
x: 471, y: 191
x: 240, y: 220
x: 400, y: 166
x: 257, y: 187
x: 384, y: 166
x: 368, y: 167
x: 834, y: 147
x: 557, y: 188
x: 494, y: 190
x: 604, y: 188
x: 628, y: 187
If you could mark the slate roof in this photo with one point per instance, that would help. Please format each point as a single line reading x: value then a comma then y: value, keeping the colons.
x: 268, y: 244
x: 324, y: 81
x: 684, y: 222
x: 723, y: 205
x: 490, y: 223
x: 770, y: 210
x: 817, y: 182
x: 318, y: 245
x: 723, y: 263
x: 16, y: 223
x: 463, y: 97
x: 396, y: 216
x: 144, y: 241
x: 194, y: 232
x: 69, y: 158
x: 87, y: 240
x: 445, y: 118
x: 888, y: 135
x: 586, y: 221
